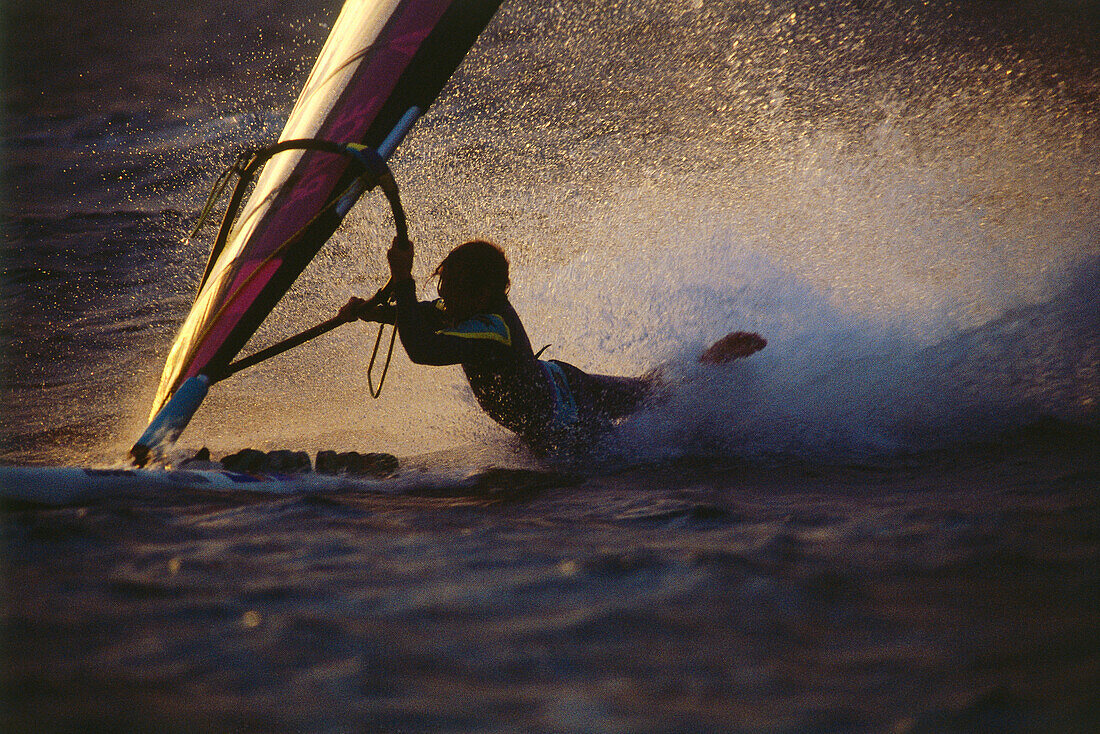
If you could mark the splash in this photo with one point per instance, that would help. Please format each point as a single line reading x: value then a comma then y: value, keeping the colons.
x: 884, y: 218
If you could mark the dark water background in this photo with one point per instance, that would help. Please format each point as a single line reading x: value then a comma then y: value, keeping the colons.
x: 887, y: 521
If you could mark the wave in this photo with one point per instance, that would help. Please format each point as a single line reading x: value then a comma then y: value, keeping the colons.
x: 843, y: 388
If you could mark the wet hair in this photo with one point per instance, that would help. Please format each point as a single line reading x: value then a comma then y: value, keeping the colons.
x: 475, y: 265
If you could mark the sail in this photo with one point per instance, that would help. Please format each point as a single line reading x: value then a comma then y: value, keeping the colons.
x: 382, y: 59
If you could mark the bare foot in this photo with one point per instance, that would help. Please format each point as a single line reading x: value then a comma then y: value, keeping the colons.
x: 733, y: 346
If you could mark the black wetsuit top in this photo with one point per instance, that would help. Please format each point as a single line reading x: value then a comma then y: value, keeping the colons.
x: 547, y: 403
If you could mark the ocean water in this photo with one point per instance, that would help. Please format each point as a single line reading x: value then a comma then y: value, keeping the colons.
x: 885, y: 521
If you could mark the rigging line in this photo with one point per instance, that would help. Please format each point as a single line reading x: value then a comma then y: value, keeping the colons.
x: 386, y: 367
x: 219, y: 188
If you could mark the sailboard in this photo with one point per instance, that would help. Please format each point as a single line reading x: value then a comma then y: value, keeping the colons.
x: 383, y: 65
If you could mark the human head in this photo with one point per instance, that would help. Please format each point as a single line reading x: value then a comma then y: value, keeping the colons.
x: 472, y: 278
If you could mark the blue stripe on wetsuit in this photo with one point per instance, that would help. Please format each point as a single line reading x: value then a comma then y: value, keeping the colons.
x: 565, y: 405
x: 492, y: 326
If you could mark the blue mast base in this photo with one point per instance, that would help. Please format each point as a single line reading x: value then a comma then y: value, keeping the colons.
x: 170, y: 421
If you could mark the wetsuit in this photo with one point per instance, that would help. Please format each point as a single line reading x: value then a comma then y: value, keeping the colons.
x: 549, y: 404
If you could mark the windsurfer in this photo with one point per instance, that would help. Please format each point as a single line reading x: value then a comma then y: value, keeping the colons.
x: 550, y: 404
